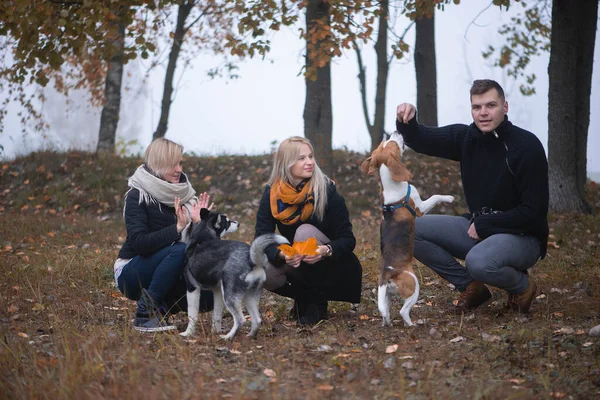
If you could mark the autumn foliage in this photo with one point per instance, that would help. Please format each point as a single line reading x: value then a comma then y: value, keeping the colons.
x: 305, y: 248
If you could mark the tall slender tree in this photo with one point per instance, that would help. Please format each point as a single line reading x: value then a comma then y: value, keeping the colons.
x: 109, y: 118
x: 570, y: 73
x: 426, y: 67
x: 183, y: 11
x: 318, y: 119
x: 568, y: 32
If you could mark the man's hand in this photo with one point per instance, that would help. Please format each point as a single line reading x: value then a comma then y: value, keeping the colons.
x: 473, y: 232
x: 405, y: 112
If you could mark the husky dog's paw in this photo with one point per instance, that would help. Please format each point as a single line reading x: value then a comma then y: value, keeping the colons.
x: 386, y: 322
x: 229, y: 336
x: 188, y: 333
x: 448, y: 199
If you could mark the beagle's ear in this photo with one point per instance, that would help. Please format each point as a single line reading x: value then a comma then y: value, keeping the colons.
x: 399, y: 171
x: 367, y: 166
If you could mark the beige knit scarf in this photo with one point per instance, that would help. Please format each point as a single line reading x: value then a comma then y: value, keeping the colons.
x: 155, y: 190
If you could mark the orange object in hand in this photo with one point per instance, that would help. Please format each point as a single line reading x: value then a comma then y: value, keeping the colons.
x: 306, y: 248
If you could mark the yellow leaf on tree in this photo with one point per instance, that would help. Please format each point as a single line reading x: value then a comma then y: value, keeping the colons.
x: 307, y: 248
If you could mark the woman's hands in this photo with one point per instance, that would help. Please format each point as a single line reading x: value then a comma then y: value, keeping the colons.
x: 203, y: 201
x: 294, y: 261
x: 181, y: 214
x: 297, y: 259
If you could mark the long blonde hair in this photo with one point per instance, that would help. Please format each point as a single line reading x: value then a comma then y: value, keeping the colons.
x: 283, y: 160
x: 161, y: 155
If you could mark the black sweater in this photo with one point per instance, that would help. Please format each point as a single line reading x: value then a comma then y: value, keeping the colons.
x: 505, y: 170
x: 150, y: 227
x: 335, y: 225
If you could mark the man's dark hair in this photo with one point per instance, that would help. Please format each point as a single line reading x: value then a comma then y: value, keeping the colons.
x: 480, y: 86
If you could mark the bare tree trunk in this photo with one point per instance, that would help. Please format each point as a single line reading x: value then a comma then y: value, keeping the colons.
x: 109, y: 119
x: 382, y: 76
x: 570, y: 75
x: 426, y: 71
x: 318, y: 120
x: 184, y: 10
x: 376, y: 130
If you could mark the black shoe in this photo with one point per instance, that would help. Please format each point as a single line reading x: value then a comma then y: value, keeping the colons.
x: 150, y: 316
x: 297, y: 309
x: 155, y: 324
x: 315, y: 312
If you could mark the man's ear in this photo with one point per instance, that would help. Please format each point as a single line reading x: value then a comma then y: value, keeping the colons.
x: 398, y: 170
x: 204, y: 213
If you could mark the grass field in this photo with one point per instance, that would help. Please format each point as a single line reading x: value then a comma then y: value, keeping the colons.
x: 67, y: 333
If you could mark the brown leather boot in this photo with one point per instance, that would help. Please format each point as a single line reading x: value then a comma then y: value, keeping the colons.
x: 522, y: 302
x: 474, y: 295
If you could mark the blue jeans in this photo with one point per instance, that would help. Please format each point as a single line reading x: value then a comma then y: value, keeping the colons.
x: 500, y: 260
x: 161, y: 273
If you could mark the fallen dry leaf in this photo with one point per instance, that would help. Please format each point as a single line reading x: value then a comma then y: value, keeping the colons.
x: 457, y: 339
x: 325, y: 387
x: 364, y: 317
x: 23, y: 334
x: 565, y: 330
x: 516, y: 381
x: 587, y: 344
x: 391, y: 349
x: 490, y: 338
x: 269, y: 372
x: 342, y: 355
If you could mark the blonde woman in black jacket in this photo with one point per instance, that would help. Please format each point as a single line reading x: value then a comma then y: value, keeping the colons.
x: 301, y: 202
x: 160, y: 207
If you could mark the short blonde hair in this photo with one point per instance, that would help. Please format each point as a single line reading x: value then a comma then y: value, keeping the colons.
x: 161, y: 155
x: 283, y: 160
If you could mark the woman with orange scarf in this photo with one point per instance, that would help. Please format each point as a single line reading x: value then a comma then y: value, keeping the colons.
x: 304, y: 204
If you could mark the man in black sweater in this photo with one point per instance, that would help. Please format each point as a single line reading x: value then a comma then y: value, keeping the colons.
x: 505, y: 179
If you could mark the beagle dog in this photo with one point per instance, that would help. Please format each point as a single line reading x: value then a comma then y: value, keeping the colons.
x: 401, y: 204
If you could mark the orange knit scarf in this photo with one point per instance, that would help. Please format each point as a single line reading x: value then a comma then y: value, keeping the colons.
x: 290, y: 204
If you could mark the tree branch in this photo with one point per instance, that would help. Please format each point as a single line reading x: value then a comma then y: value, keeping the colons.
x: 363, y: 85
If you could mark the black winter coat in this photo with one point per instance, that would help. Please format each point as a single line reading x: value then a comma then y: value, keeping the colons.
x: 505, y: 170
x: 150, y: 227
x: 340, y: 276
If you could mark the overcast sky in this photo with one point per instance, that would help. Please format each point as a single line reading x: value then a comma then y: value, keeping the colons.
x: 265, y: 105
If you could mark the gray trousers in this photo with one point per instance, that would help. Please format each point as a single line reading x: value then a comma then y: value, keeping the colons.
x: 500, y: 260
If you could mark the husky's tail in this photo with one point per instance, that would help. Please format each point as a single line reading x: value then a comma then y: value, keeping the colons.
x: 258, y: 246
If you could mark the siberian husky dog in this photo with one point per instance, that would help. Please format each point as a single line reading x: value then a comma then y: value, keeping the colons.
x: 235, y: 272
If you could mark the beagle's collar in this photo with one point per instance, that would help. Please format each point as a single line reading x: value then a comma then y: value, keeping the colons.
x: 403, y: 203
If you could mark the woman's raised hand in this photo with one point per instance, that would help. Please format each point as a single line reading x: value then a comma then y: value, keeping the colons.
x: 203, y: 201
x: 181, y: 214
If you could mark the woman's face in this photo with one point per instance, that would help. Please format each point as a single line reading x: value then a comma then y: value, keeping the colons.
x: 304, y: 165
x: 173, y: 174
